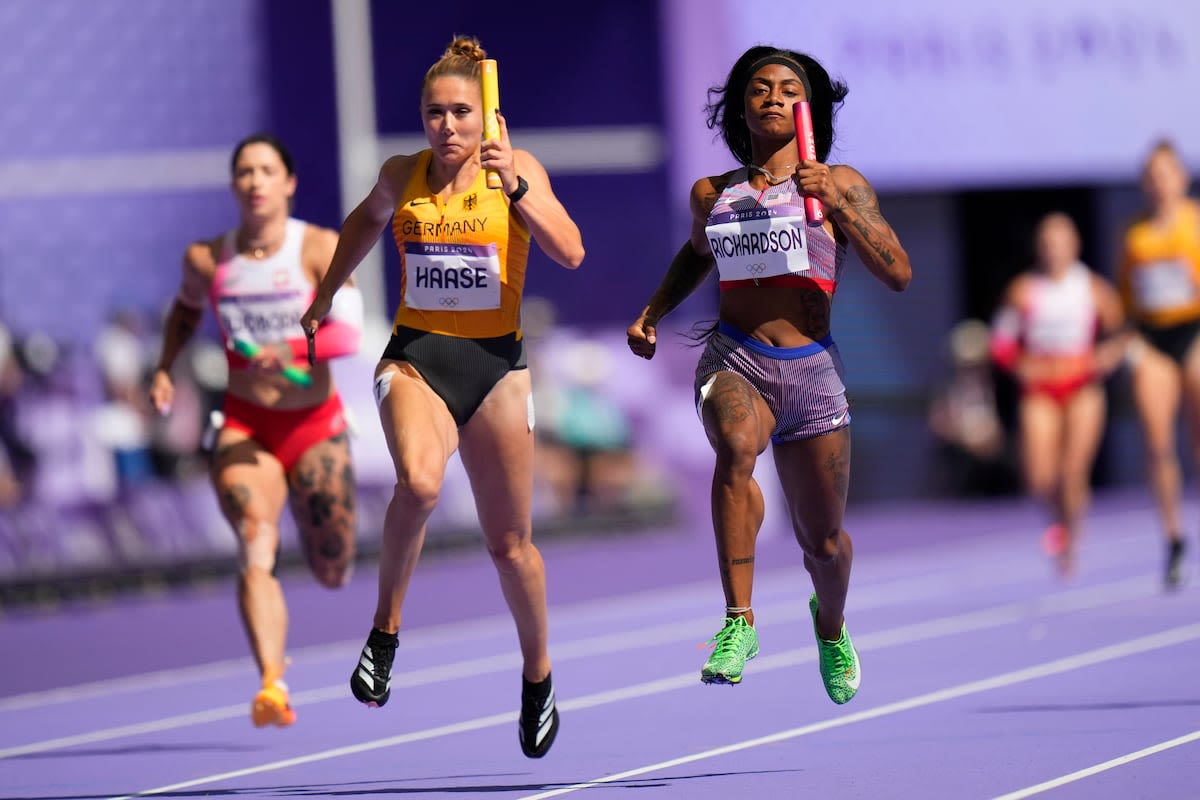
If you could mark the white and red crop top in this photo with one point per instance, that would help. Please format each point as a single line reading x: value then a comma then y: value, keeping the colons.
x: 1061, y: 318
x: 261, y: 301
x: 763, y: 238
x: 1058, y: 318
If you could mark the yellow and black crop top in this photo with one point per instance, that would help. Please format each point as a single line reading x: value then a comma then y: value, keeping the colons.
x: 1159, y: 271
x: 462, y: 260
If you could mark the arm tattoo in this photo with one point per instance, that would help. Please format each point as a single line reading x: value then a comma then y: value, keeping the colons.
x: 865, y: 203
x: 676, y: 287
x: 688, y: 269
x: 738, y: 562
x: 863, y: 200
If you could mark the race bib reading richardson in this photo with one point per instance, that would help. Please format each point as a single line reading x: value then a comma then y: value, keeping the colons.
x: 757, y: 244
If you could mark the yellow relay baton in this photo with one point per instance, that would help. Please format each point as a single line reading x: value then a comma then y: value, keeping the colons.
x: 489, y: 82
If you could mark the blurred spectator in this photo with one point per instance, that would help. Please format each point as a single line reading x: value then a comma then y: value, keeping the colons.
x: 122, y: 422
x: 585, y: 455
x: 17, y: 458
x: 973, y: 452
x: 145, y: 445
x: 584, y: 439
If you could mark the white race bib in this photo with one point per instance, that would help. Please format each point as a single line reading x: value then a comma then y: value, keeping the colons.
x: 451, y: 277
x: 1162, y: 285
x: 263, y: 318
x: 758, y: 243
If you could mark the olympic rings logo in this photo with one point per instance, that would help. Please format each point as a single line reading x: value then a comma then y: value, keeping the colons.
x: 756, y: 269
x: 449, y: 302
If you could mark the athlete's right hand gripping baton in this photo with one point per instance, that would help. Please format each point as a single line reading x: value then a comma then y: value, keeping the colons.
x: 806, y: 142
x: 490, y: 84
x: 248, y: 349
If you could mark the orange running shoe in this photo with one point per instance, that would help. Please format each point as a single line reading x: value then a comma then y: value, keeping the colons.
x: 271, y: 706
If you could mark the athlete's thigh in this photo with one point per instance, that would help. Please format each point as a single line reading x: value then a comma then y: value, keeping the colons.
x: 420, y: 432
x: 497, y: 453
x: 735, y: 415
x: 1084, y: 428
x: 323, y: 499
x: 815, y: 476
x: 1190, y: 378
x: 1157, y: 390
x: 249, y: 481
x: 1041, y: 431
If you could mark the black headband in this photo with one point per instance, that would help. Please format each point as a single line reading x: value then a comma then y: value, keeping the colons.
x: 790, y: 63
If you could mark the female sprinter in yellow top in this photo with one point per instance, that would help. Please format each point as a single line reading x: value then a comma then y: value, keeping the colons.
x: 453, y: 376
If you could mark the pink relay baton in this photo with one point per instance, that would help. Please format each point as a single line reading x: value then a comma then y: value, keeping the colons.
x: 806, y: 141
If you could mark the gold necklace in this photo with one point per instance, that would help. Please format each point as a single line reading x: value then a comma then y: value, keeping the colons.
x: 258, y: 251
x: 771, y: 177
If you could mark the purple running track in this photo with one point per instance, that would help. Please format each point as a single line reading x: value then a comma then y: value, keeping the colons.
x: 984, y: 676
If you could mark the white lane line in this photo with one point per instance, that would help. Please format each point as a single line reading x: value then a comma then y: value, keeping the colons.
x: 1089, y: 658
x: 1095, y: 769
x: 974, y: 621
x: 1099, y: 655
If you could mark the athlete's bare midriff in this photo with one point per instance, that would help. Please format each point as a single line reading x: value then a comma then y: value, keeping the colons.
x: 781, y: 316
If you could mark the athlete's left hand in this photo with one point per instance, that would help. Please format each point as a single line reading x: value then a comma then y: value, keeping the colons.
x: 497, y: 155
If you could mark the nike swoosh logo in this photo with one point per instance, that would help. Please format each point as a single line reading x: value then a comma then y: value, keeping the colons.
x: 838, y: 419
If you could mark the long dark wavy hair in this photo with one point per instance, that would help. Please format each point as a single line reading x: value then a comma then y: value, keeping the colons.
x: 726, y: 106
